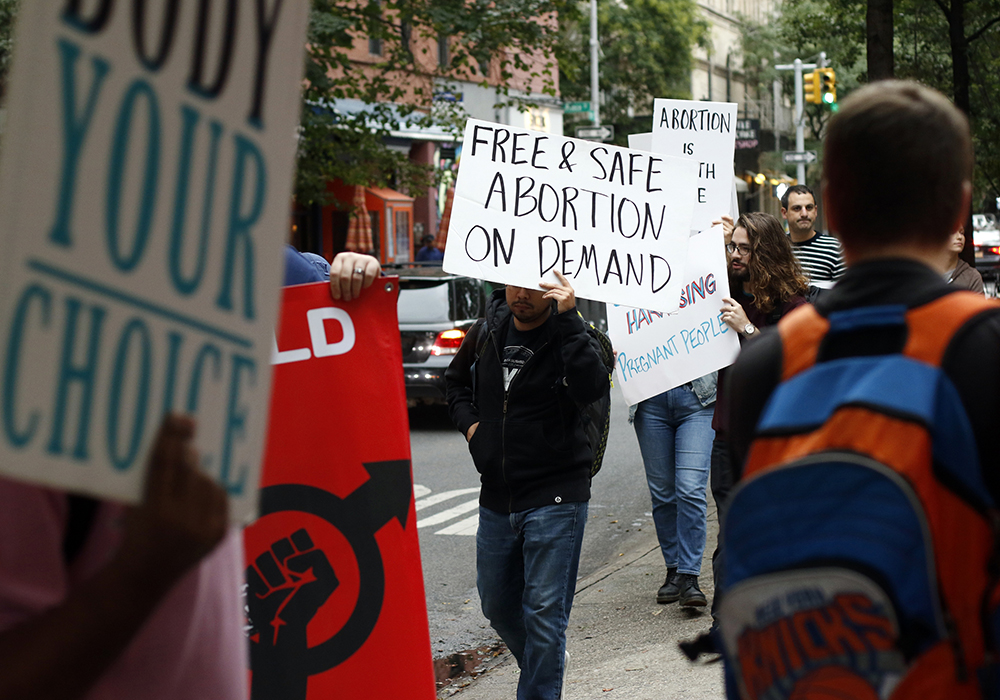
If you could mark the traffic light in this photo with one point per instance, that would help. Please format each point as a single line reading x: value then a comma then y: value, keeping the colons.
x: 811, y: 87
x: 828, y: 87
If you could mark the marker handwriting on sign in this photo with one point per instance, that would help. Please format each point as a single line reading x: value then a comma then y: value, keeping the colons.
x: 680, y: 119
x: 691, y: 339
x: 524, y: 148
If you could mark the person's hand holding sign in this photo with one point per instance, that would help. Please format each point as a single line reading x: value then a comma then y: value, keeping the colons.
x: 563, y: 293
x: 736, y: 318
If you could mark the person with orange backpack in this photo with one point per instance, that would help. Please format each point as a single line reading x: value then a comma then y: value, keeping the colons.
x: 861, y: 536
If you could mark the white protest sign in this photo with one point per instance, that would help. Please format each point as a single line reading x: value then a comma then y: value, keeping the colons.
x: 706, y: 133
x: 614, y: 221
x: 657, y: 352
x: 144, y: 194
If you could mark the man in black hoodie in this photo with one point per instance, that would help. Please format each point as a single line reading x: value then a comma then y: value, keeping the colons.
x: 513, y: 391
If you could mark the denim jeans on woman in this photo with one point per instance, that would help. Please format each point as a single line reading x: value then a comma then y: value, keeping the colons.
x: 526, y: 566
x: 675, y: 437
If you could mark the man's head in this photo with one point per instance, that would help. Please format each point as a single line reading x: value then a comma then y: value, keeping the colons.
x: 897, y: 168
x: 761, y: 257
x: 529, y: 308
x: 798, y: 207
x: 427, y: 240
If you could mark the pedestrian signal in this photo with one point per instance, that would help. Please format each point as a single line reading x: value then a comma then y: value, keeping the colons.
x: 828, y: 87
x: 811, y: 87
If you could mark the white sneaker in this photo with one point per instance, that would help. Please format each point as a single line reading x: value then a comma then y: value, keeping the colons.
x: 562, y: 691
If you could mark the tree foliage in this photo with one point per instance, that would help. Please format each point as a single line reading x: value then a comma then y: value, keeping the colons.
x: 645, y: 52
x: 923, y: 50
x: 507, y: 45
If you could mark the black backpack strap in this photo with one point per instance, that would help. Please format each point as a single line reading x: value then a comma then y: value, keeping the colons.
x: 79, y: 522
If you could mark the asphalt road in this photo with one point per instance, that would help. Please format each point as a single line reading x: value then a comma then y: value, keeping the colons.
x: 446, y: 489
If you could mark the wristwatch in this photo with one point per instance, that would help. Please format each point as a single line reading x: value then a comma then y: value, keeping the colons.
x: 749, y: 330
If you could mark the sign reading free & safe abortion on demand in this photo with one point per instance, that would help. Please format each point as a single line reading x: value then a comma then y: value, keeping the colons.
x: 614, y: 221
x: 144, y: 190
x: 704, y: 132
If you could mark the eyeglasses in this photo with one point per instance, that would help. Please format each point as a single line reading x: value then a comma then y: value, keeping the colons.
x: 732, y: 248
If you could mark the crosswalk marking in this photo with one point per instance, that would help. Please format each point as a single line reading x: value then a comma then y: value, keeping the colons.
x: 446, y: 515
x: 465, y: 527
x: 462, y: 527
x: 443, y: 496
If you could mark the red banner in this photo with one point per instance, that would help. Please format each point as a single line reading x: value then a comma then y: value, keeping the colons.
x: 335, y: 593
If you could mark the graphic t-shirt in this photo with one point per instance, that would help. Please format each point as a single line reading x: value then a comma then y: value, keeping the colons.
x: 519, y: 347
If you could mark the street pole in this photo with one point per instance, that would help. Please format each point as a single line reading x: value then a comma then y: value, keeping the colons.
x: 800, y: 142
x: 595, y: 104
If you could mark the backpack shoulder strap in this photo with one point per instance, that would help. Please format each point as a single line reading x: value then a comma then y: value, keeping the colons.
x: 801, y: 331
x: 934, y: 325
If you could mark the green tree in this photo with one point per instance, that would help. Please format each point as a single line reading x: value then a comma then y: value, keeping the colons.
x: 508, y: 45
x: 927, y: 46
x: 645, y: 52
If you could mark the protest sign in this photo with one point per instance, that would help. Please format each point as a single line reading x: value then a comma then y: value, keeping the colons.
x: 706, y: 133
x: 333, y: 563
x: 656, y: 351
x: 614, y: 221
x: 144, y: 193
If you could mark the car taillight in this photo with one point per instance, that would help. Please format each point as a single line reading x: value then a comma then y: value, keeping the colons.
x: 993, y: 250
x: 448, y: 342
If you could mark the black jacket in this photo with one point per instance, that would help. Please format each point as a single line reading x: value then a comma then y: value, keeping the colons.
x: 530, y: 447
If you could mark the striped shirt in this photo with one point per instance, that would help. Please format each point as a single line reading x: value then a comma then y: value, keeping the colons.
x: 821, y: 258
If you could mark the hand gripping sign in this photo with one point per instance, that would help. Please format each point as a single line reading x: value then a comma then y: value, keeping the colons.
x: 333, y: 576
x: 615, y: 222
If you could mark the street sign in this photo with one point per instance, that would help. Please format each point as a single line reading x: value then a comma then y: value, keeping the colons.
x: 604, y: 132
x: 576, y: 107
x: 799, y: 156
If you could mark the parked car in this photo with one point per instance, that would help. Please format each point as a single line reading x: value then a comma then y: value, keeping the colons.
x: 436, y: 309
x: 986, y: 244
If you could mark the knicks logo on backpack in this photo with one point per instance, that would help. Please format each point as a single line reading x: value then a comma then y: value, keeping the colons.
x: 860, y: 545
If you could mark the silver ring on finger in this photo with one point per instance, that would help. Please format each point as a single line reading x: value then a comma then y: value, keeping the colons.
x: 359, y: 270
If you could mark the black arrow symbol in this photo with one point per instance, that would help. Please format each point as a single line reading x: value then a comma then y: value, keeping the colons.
x: 386, y: 495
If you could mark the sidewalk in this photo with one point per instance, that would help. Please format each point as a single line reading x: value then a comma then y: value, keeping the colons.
x: 621, y: 643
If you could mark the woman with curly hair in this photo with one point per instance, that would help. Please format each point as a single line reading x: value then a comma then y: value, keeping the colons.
x: 765, y: 283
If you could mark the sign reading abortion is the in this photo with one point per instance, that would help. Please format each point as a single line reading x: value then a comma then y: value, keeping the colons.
x: 612, y: 220
x: 144, y: 191
x: 704, y: 132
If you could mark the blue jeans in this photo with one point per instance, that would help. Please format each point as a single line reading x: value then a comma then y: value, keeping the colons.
x: 675, y: 437
x: 526, y: 573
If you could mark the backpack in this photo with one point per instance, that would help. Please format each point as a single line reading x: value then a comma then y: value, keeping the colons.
x: 596, y: 415
x: 860, y: 544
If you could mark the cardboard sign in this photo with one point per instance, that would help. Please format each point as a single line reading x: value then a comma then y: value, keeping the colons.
x: 144, y: 190
x: 614, y: 221
x: 706, y: 133
x: 334, y: 583
x: 657, y: 352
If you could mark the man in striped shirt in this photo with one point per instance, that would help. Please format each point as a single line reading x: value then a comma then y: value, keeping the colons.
x: 819, y: 254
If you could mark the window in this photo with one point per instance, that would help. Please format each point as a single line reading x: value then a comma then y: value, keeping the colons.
x: 402, y: 235
x: 443, y: 57
x: 405, y: 34
x: 375, y: 44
